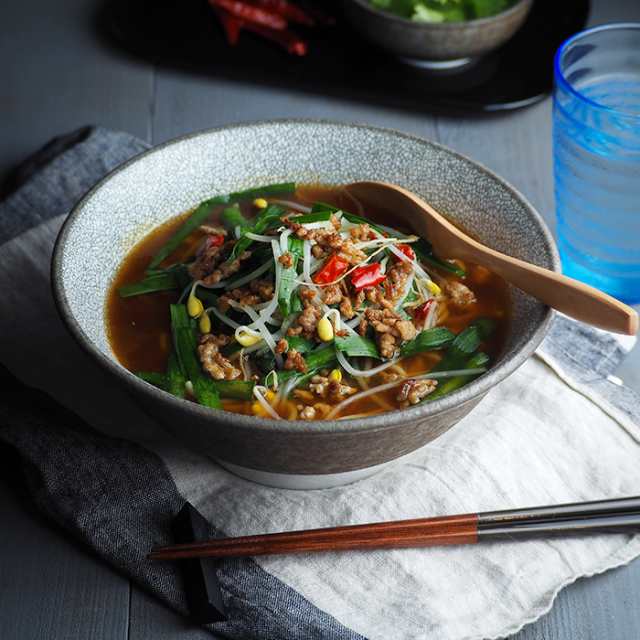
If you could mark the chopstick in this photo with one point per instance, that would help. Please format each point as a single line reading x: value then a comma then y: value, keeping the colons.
x: 620, y: 515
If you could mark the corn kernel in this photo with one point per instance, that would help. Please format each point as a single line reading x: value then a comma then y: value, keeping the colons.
x: 261, y: 203
x: 434, y: 289
x: 205, y: 323
x: 336, y: 375
x: 325, y: 330
x: 247, y: 339
x: 258, y: 409
x: 194, y: 306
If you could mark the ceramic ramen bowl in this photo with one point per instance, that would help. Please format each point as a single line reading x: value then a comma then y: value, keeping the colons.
x: 172, y: 178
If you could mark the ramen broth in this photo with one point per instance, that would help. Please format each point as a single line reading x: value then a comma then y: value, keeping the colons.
x: 139, y: 327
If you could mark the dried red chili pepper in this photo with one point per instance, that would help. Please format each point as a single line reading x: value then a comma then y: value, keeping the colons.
x: 407, y: 250
x: 367, y: 276
x: 251, y: 14
x: 286, y: 10
x: 331, y: 270
x: 285, y: 38
x: 230, y: 24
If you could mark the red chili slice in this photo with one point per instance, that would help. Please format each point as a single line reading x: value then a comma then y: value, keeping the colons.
x: 367, y: 276
x: 407, y: 250
x: 331, y: 270
x: 421, y: 312
x: 214, y: 240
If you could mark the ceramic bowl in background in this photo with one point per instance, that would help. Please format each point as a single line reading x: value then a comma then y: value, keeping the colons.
x: 174, y: 177
x: 438, y: 45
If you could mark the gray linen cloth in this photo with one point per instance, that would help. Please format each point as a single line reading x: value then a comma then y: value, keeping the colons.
x: 560, y: 429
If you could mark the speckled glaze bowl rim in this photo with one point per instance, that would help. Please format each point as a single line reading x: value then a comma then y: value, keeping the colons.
x: 382, y: 421
x: 444, y: 26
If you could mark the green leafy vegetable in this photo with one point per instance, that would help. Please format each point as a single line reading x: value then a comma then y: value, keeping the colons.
x: 443, y: 10
x: 296, y: 303
x: 356, y: 346
x: 288, y: 277
x: 232, y: 217
x: 317, y: 359
x: 153, y: 377
x: 428, y: 340
x: 447, y: 385
x: 203, y: 211
x: 176, y: 378
x: 235, y: 389
x: 167, y: 280
x: 184, y: 338
x: 465, y: 344
x: 261, y: 222
x: 300, y: 344
x: 424, y: 252
x: 266, y: 361
x: 314, y: 216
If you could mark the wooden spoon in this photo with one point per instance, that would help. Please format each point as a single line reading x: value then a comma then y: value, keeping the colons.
x: 573, y: 298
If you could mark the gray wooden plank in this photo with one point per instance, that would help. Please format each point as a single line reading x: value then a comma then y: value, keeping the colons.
x: 150, y: 619
x: 601, y: 607
x: 186, y: 103
x: 51, y: 588
x: 57, y: 75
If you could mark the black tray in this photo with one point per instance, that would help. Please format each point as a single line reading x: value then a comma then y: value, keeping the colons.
x: 186, y: 35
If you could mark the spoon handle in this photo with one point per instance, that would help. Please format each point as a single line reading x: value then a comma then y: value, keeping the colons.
x: 571, y: 297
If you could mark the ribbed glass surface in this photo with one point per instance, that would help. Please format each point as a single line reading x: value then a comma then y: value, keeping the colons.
x: 596, y: 132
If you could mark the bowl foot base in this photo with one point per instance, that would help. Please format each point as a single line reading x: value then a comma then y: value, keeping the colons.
x: 300, y: 481
x: 440, y: 65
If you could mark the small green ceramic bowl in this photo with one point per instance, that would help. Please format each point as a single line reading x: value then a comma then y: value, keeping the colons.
x: 175, y: 176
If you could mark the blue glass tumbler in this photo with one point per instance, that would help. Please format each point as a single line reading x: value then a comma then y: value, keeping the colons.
x: 596, y: 148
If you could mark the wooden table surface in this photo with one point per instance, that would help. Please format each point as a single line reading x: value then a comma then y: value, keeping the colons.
x: 57, y: 75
